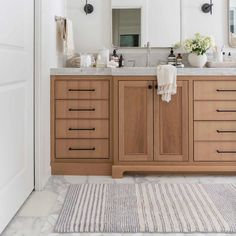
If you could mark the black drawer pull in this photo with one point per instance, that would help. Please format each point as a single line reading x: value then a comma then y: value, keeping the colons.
x: 82, y: 149
x: 77, y: 129
x: 225, y: 90
x: 149, y: 86
x: 81, y: 90
x: 226, y: 131
x: 156, y: 86
x: 218, y: 110
x: 225, y: 152
x: 89, y: 109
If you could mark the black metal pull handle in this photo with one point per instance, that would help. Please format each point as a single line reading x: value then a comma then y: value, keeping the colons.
x: 82, y: 109
x: 78, y: 129
x: 81, y: 90
x: 225, y: 152
x: 219, y: 110
x: 156, y: 86
x: 225, y: 90
x: 149, y: 86
x: 226, y: 131
x: 82, y: 149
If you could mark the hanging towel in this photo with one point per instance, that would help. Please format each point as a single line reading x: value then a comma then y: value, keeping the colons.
x: 61, y: 35
x: 166, y: 80
x: 70, y: 47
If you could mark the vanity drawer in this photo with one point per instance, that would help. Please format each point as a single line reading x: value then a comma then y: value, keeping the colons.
x: 82, y: 149
x: 215, y: 151
x: 82, y: 129
x: 215, y: 90
x: 215, y: 110
x: 215, y: 130
x: 82, y: 90
x: 82, y: 109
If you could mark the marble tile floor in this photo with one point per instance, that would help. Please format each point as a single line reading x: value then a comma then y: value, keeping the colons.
x: 39, y: 214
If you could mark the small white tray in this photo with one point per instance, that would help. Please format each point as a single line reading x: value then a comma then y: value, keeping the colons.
x: 226, y: 64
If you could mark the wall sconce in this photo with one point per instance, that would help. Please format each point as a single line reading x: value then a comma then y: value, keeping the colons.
x: 207, y: 7
x: 88, y: 8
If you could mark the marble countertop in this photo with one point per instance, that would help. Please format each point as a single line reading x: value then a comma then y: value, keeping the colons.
x: 142, y: 71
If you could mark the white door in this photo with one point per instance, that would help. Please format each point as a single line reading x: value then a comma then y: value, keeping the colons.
x: 16, y: 106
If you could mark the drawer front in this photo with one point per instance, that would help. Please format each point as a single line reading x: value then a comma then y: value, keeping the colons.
x: 215, y: 130
x: 84, y: 109
x: 82, y: 129
x: 215, y: 151
x: 215, y: 90
x: 214, y: 110
x: 82, y: 89
x: 82, y: 149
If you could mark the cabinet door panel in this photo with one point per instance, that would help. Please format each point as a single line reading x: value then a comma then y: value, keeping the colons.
x: 171, y: 126
x: 135, y: 121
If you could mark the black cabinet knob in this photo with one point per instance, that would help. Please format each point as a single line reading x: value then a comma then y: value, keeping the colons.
x: 149, y: 86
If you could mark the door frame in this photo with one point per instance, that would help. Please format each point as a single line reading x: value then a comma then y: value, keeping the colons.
x: 40, y: 176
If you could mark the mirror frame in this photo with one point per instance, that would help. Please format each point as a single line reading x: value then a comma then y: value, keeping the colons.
x: 228, y: 22
x: 146, y: 41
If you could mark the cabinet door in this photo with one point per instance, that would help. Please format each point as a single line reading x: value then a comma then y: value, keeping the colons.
x: 136, y: 120
x: 171, y: 126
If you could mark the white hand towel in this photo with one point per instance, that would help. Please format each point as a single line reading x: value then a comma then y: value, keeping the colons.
x: 61, y: 35
x: 70, y: 46
x: 166, y: 80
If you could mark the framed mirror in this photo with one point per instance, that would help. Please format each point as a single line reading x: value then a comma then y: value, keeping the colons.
x: 126, y: 27
x: 232, y: 22
x: 134, y: 23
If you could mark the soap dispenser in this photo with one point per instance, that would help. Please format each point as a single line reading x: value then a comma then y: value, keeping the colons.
x: 114, y: 56
x: 172, y: 58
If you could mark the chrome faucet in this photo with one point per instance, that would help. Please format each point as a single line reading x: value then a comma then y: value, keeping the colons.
x: 148, y: 57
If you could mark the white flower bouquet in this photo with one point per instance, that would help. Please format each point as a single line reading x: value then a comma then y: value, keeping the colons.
x: 199, y: 44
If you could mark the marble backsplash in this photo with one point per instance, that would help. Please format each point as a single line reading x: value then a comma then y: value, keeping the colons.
x: 139, y: 59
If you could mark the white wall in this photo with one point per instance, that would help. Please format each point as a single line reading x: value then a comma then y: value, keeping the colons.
x: 196, y: 21
x: 46, y: 58
x: 94, y: 31
x: 91, y: 32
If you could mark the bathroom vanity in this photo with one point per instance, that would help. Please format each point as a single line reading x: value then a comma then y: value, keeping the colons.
x: 111, y: 121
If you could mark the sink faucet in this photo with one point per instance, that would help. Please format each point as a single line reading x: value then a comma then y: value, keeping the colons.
x: 148, y: 57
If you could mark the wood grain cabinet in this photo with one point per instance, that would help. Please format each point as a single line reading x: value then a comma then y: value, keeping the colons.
x: 136, y: 120
x: 102, y: 125
x: 171, y: 126
x: 150, y: 129
x: 81, y: 125
x: 215, y: 121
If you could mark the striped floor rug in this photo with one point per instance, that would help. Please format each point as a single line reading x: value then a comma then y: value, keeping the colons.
x: 149, y: 208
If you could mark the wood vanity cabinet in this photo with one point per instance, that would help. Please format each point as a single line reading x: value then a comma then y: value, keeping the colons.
x: 103, y: 125
x: 81, y: 125
x: 150, y: 129
x: 171, y: 126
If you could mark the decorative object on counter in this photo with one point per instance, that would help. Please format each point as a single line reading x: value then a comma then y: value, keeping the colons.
x: 114, y: 56
x: 179, y: 61
x: 112, y: 64
x: 100, y: 62
x: 73, y: 61
x: 225, y: 64
x: 207, y: 7
x: 197, y: 47
x: 85, y: 60
x: 88, y: 8
x: 121, y: 61
x: 167, y: 81
x: 229, y: 57
x: 105, y: 55
x: 171, y: 58
x: 218, y: 54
